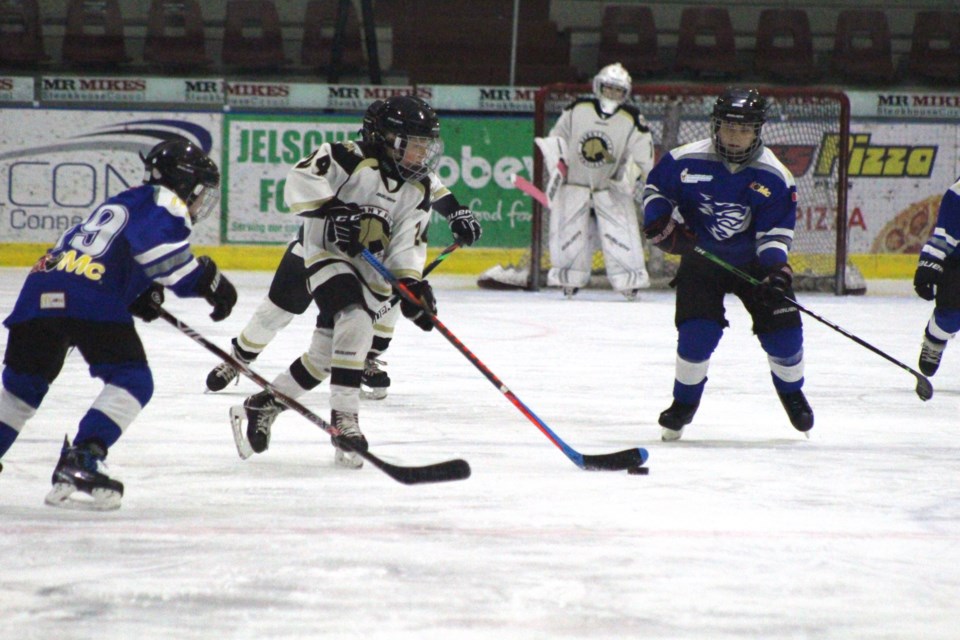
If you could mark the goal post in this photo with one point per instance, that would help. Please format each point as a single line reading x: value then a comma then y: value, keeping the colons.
x: 807, y: 128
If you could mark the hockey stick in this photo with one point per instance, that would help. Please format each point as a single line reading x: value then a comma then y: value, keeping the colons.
x: 627, y: 459
x: 924, y: 387
x: 530, y: 189
x: 389, y: 304
x: 439, y: 472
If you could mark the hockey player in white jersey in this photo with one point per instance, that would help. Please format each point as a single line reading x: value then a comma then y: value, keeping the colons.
x: 288, y: 296
x: 730, y: 195
x: 373, y: 195
x: 938, y: 278
x: 606, y: 150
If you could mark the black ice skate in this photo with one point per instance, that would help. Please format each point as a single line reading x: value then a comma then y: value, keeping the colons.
x: 260, y: 410
x: 375, y: 381
x: 798, y: 409
x: 930, y: 353
x: 348, y: 440
x: 569, y: 292
x: 225, y: 373
x: 674, y: 418
x: 77, y: 472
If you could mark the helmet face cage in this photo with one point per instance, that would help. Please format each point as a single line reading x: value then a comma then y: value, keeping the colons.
x: 743, y: 107
x: 410, y: 131
x: 185, y: 169
x: 612, y: 86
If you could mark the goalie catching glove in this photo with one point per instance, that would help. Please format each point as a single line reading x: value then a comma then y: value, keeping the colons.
x: 422, y: 290
x: 926, y: 280
x: 147, y: 305
x: 214, y: 287
x: 774, y: 287
x: 671, y: 236
x: 464, y: 227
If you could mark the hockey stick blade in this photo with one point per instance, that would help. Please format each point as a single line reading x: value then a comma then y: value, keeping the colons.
x: 605, y: 462
x: 448, y: 470
x: 440, y: 472
x: 924, y: 388
x: 626, y: 459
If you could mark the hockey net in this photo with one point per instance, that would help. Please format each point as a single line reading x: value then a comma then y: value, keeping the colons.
x: 808, y: 130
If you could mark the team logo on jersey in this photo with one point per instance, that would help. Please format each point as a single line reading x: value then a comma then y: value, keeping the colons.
x: 596, y: 149
x: 693, y: 178
x: 724, y: 219
x: 374, y: 230
x: 759, y: 188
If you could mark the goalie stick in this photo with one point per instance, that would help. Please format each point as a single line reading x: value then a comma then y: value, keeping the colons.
x: 618, y: 461
x: 439, y: 472
x: 924, y: 387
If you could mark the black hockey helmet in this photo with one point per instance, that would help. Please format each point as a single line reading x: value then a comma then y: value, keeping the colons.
x: 183, y: 167
x: 744, y: 107
x: 409, y: 129
x: 370, y: 121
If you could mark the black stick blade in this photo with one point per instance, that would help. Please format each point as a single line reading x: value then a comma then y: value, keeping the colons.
x: 440, y: 472
x: 924, y: 388
x: 626, y: 459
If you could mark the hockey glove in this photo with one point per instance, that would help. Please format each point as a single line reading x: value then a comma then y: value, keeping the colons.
x: 671, y: 236
x: 214, y: 287
x: 423, y: 290
x: 464, y: 227
x: 147, y: 305
x: 926, y: 280
x: 343, y: 225
x: 772, y: 289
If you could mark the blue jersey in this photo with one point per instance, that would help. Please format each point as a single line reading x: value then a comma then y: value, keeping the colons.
x: 942, y: 243
x: 101, y: 265
x: 740, y: 215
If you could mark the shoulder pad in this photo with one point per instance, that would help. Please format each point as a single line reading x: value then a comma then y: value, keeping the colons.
x: 346, y: 155
x: 638, y: 120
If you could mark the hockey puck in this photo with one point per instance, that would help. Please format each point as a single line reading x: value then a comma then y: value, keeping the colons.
x: 638, y: 471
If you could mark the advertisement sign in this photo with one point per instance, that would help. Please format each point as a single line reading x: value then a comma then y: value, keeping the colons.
x: 479, y: 156
x: 58, y: 165
x: 13, y: 89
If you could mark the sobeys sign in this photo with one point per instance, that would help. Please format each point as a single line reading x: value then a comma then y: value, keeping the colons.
x: 480, y: 154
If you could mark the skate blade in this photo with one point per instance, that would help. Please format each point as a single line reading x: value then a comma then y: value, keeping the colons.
x: 347, y: 460
x: 66, y: 496
x: 670, y: 435
x: 237, y: 416
x: 373, y: 393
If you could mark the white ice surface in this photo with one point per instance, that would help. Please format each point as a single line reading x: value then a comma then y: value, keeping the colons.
x: 744, y: 529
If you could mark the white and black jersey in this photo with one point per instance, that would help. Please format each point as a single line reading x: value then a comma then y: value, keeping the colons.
x: 395, y: 215
x: 602, y: 146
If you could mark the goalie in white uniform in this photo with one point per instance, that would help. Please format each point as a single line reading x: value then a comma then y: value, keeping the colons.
x: 605, y: 148
x: 377, y: 196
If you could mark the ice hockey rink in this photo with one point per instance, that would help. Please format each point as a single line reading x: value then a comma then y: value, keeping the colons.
x: 744, y: 529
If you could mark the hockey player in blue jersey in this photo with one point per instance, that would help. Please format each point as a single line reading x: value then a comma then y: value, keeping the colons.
x: 938, y: 278
x: 84, y: 293
x: 730, y: 195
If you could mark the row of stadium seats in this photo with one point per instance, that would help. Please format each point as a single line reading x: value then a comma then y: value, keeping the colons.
x: 783, y: 48
x: 469, y: 42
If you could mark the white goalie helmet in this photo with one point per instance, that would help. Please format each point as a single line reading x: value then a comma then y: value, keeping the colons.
x: 612, y: 86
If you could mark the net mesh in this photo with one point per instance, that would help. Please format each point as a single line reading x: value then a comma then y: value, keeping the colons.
x: 804, y: 129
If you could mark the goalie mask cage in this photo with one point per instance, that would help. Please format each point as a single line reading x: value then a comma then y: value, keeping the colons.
x: 808, y: 130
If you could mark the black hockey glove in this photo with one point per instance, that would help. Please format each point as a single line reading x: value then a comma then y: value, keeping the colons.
x: 671, y: 236
x: 147, y: 305
x: 423, y: 290
x: 771, y: 290
x: 343, y: 225
x: 214, y: 287
x: 464, y: 227
x: 926, y: 280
